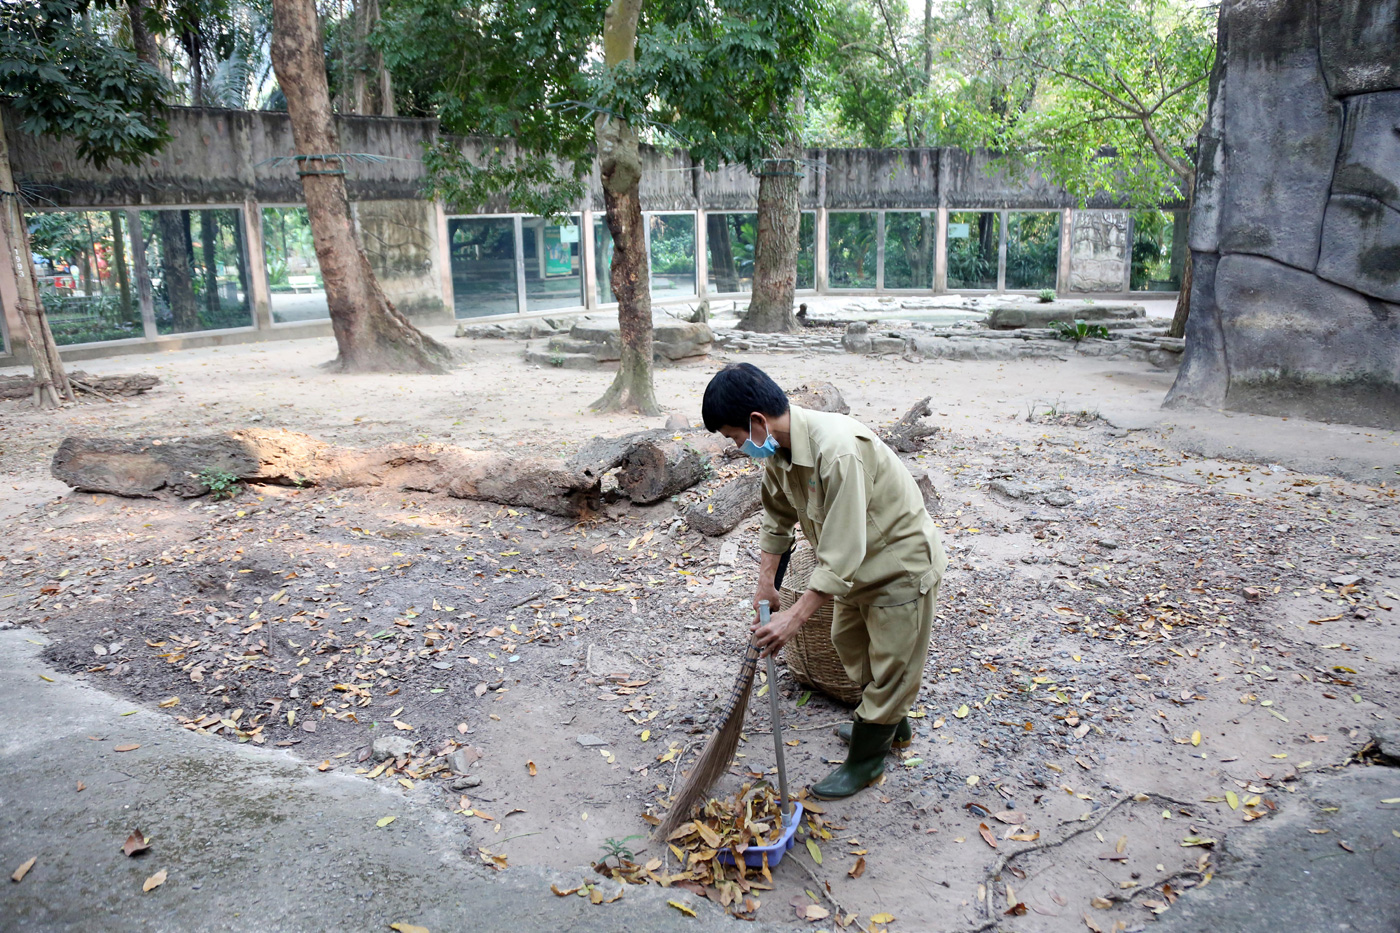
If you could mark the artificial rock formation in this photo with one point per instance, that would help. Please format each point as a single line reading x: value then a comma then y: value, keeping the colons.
x: 1295, y: 304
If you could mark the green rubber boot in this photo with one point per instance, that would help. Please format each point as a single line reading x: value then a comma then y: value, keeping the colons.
x: 864, y: 764
x: 903, y: 736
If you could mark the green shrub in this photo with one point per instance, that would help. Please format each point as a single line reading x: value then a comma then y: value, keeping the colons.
x: 1079, y: 330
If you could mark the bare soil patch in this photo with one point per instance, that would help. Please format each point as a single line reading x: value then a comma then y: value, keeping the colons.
x: 1173, y: 628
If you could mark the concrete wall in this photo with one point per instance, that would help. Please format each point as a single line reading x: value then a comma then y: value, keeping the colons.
x: 1296, y: 229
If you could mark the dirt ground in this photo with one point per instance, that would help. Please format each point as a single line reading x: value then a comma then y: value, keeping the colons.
x: 1161, y: 661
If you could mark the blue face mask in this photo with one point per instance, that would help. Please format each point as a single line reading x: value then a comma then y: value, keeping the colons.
x: 759, y: 451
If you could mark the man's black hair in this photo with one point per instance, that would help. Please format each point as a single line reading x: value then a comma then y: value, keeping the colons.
x: 735, y: 392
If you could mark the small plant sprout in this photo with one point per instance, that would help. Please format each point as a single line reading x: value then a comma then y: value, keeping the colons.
x: 222, y: 484
x: 1079, y: 330
x: 1046, y: 295
x: 618, y: 849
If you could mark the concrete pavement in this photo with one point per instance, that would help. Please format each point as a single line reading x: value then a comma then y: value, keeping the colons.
x: 251, y: 839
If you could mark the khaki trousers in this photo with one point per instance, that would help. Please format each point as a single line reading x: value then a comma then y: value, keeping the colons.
x: 884, y: 649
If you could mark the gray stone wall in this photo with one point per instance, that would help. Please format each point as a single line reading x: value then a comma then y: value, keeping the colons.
x: 401, y: 241
x: 1098, y: 248
x: 1296, y: 228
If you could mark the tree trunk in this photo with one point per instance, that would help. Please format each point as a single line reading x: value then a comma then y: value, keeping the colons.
x: 775, y: 258
x: 664, y: 466
x: 128, y: 315
x: 1183, y: 297
x: 721, y: 247
x: 371, y: 334
x: 208, y: 231
x: 620, y: 168
x: 360, y: 14
x: 176, y: 272
x: 50, y: 383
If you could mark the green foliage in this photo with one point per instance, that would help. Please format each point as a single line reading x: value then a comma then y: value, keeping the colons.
x: 65, y: 79
x: 717, y: 78
x: 1079, y: 330
x: 1046, y: 295
x: 222, y: 484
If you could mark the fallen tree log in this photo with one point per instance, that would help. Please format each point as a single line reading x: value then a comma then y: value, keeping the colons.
x: 657, y: 467
x: 151, y: 467
x: 102, y: 386
x: 907, y: 435
x: 733, y: 502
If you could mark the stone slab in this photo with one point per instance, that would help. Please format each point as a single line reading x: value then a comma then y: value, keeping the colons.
x: 1040, y: 313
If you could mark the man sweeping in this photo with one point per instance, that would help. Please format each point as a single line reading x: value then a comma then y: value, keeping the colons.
x: 877, y: 554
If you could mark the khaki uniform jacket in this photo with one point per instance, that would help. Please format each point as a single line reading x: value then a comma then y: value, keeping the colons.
x: 859, y: 506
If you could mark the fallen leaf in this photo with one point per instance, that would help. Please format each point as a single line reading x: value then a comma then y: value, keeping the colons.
x: 1024, y: 837
x: 815, y: 912
x: 1013, y: 817
x: 167, y: 703
x: 1345, y: 845
x: 987, y: 835
x: 1233, y: 799
x: 882, y: 918
x: 23, y: 870
x: 858, y: 868
x: 154, y: 881
x: 1196, y: 737
x: 126, y: 748
x: 814, y: 850
x: 1102, y: 903
x: 1088, y: 922
x: 385, y: 821
x: 962, y: 711
x: 689, y: 912
x: 135, y: 843
x: 407, y: 928
x: 565, y: 892
x: 402, y: 725
x: 530, y: 765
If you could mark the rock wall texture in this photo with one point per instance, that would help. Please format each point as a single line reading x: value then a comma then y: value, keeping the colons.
x: 1295, y: 234
x: 1098, y: 247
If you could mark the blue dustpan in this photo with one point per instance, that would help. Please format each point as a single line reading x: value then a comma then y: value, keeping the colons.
x: 753, y: 857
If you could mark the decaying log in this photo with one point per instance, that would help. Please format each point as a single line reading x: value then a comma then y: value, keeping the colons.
x: 907, y: 435
x: 598, y: 455
x: 657, y: 467
x: 733, y: 502
x: 819, y: 396
x: 149, y: 467
x: 101, y: 386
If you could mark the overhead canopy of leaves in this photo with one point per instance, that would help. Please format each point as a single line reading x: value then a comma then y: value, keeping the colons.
x: 717, y: 78
x: 65, y: 79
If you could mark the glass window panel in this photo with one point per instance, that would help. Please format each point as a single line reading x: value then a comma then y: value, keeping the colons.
x: 909, y: 240
x: 83, y: 262
x: 730, y: 240
x: 974, y: 239
x: 807, y: 250
x: 602, y: 260
x: 672, y: 243
x: 1032, y: 250
x: 293, y: 274
x: 195, y: 260
x: 850, y: 249
x: 1159, y: 250
x: 483, y: 265
x: 553, y: 263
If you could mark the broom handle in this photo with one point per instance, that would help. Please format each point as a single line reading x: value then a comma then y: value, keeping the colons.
x: 763, y: 615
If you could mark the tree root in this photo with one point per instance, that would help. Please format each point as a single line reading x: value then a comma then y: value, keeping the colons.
x: 989, y: 906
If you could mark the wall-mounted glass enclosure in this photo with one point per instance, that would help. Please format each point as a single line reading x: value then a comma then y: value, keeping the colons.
x: 483, y: 265
x: 730, y: 241
x: 910, y: 240
x: 553, y: 254
x: 671, y: 245
x: 1159, y: 250
x: 296, y: 291
x: 84, y: 264
x: 195, y: 261
x: 974, y: 244
x: 807, y: 251
x: 851, y: 249
x: 1032, y: 250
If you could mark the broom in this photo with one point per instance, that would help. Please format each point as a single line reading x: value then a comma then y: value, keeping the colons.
x: 719, y: 750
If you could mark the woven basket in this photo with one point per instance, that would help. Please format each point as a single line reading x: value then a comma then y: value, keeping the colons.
x: 810, y: 655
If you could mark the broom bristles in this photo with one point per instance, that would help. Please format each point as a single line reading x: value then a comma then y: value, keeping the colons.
x: 719, y: 750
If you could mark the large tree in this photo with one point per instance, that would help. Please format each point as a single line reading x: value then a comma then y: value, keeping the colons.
x: 1123, y: 100
x: 64, y: 78
x: 371, y: 334
x: 715, y: 78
